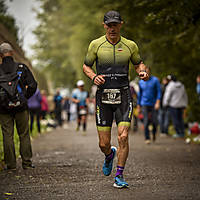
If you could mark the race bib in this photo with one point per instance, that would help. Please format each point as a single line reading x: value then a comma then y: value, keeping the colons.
x: 111, y: 96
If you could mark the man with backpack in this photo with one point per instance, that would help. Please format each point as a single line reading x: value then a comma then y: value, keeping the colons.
x: 17, y: 84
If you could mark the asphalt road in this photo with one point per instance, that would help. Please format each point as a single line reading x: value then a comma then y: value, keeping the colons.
x: 68, y: 166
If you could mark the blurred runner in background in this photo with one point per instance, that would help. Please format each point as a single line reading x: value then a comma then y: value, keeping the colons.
x: 81, y: 98
x: 58, y: 107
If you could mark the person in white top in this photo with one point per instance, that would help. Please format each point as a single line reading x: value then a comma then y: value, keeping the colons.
x: 176, y: 99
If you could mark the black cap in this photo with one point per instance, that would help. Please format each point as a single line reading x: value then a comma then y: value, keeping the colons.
x: 112, y: 16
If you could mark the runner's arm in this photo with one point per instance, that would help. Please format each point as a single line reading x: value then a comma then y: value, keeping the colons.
x: 97, y: 79
x: 142, y: 70
x: 88, y: 72
x: 88, y: 63
x: 74, y: 98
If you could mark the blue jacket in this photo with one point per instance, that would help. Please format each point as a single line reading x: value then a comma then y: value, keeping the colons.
x: 198, y: 88
x: 149, y: 92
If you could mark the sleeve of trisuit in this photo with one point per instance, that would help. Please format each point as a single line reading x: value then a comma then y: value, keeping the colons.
x: 135, y: 56
x: 91, y: 54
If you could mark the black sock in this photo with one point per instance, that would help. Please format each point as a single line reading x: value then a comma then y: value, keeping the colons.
x: 84, y: 126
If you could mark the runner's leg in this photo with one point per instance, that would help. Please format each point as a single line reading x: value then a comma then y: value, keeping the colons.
x: 104, y: 141
x: 123, y: 149
x: 104, y: 119
x: 78, y: 122
x: 110, y: 152
x: 123, y: 116
x: 122, y: 154
x: 84, y: 122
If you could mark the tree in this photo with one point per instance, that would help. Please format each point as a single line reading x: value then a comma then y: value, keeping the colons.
x: 7, y: 20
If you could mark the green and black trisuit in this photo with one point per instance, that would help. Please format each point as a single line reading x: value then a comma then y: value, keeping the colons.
x: 113, y: 62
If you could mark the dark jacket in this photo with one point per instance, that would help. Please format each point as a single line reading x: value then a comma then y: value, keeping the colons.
x: 30, y: 85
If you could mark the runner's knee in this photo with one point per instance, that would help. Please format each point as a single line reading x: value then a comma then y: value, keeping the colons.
x: 104, y: 146
x: 123, y: 138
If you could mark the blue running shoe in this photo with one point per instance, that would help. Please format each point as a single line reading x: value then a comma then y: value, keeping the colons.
x: 108, y: 165
x: 120, y: 182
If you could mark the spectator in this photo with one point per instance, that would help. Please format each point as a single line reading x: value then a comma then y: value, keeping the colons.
x: 58, y: 107
x: 149, y: 102
x: 44, y: 104
x: 198, y: 86
x: 164, y: 111
x: 66, y: 107
x: 80, y: 97
x: 17, y: 113
x: 176, y: 99
x: 51, y: 106
x: 34, y: 104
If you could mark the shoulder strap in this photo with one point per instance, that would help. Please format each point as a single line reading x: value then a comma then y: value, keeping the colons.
x: 19, y: 67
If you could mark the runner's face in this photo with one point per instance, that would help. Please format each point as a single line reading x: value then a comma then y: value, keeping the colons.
x: 81, y: 87
x: 113, y: 30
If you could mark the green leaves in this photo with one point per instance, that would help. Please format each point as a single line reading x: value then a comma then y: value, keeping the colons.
x: 7, y: 20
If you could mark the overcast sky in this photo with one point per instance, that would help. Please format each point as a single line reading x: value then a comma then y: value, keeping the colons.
x: 26, y: 20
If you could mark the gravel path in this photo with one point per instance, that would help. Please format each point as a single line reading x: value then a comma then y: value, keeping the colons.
x: 68, y: 166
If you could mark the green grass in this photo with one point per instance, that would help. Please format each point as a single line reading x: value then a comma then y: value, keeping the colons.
x: 16, y: 142
x: 16, y: 139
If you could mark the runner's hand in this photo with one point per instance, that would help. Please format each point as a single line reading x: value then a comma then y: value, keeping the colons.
x: 99, y: 80
x: 76, y: 101
x: 144, y: 75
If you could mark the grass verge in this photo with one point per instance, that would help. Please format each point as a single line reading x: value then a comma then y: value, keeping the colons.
x: 34, y: 134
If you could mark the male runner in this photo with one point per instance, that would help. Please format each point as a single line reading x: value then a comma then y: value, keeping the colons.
x: 80, y: 97
x: 112, y: 54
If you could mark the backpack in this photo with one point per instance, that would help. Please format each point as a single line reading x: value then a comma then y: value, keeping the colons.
x: 12, y: 89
